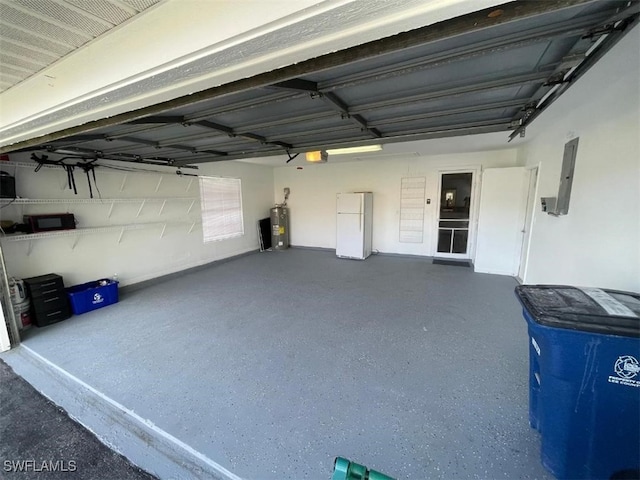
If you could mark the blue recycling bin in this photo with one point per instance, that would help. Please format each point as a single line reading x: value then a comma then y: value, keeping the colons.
x: 584, y: 379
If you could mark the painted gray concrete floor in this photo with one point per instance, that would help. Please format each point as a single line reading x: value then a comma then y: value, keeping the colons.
x: 274, y: 363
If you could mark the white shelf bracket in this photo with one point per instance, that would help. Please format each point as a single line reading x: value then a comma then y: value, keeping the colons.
x: 193, y: 225
x: 75, y: 242
x: 189, y: 185
x: 159, y: 183
x: 164, y: 227
x: 191, y: 206
x: 111, y: 209
x: 164, y: 202
x: 124, y: 181
x: 141, y: 206
x: 120, y: 236
x: 29, y: 247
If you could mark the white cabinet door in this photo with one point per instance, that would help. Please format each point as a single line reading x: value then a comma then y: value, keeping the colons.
x: 501, y: 220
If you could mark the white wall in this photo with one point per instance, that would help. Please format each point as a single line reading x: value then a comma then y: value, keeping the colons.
x: 598, y: 242
x: 313, y: 195
x: 141, y: 254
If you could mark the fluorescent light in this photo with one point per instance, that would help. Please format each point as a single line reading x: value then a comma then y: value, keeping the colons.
x: 319, y: 156
x: 361, y: 149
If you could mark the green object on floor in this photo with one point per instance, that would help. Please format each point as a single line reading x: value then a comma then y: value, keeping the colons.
x: 345, y: 470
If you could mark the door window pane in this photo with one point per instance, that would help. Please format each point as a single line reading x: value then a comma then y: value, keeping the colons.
x: 460, y: 241
x: 444, y: 240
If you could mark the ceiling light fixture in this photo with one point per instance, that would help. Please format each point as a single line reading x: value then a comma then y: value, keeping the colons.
x: 319, y: 156
x: 361, y: 149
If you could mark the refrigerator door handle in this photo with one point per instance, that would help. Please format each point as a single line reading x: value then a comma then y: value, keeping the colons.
x: 361, y: 222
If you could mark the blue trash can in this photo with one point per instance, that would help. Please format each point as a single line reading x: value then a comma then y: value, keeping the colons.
x: 584, y: 379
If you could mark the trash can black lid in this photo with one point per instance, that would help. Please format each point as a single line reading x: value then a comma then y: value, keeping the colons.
x: 609, y: 312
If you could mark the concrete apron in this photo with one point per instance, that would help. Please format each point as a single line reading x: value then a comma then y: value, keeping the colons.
x: 138, y: 439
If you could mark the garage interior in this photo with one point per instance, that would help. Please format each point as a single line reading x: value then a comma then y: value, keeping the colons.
x: 221, y: 361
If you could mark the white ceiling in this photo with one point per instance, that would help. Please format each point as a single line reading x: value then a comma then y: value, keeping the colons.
x: 37, y: 33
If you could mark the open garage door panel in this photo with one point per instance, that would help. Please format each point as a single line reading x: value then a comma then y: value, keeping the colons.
x: 490, y: 71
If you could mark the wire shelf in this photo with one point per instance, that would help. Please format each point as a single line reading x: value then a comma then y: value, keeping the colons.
x: 106, y: 201
x: 94, y: 230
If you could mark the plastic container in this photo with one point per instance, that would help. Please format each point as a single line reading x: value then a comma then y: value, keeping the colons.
x: 584, y: 379
x: 92, y: 295
x: 22, y: 313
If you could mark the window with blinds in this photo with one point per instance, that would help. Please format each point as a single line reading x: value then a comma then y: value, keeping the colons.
x: 221, y: 207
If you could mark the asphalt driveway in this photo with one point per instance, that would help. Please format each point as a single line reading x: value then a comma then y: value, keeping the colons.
x: 39, y: 440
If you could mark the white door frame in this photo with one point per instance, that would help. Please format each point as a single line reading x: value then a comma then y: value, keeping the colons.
x: 534, y: 175
x: 475, y: 171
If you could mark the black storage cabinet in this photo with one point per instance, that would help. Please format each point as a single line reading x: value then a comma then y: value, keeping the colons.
x: 49, y: 301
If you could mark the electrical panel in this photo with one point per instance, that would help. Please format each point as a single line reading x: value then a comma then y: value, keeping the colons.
x: 560, y: 205
x: 566, y: 176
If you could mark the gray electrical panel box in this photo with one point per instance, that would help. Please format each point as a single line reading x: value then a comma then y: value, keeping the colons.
x: 566, y: 176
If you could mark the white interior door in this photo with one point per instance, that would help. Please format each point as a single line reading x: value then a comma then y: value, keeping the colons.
x: 528, y: 221
x: 501, y: 217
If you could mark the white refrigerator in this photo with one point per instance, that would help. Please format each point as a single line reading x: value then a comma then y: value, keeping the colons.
x: 353, y: 225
